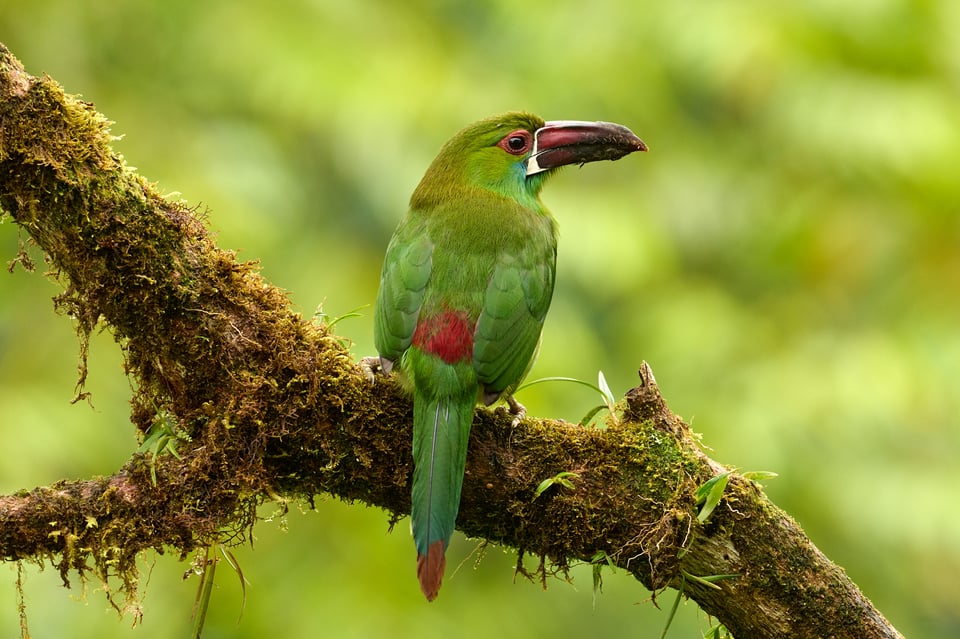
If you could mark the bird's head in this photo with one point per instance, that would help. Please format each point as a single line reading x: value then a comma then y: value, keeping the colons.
x: 511, y: 154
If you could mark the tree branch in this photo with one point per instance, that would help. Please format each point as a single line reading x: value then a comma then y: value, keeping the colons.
x: 261, y: 403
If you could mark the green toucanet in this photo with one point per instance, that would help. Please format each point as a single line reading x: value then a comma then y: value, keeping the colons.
x: 465, y: 286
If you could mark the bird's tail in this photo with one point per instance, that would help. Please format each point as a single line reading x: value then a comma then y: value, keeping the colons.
x: 441, y: 428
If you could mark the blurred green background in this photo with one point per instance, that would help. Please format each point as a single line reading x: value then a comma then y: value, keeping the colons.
x: 786, y: 258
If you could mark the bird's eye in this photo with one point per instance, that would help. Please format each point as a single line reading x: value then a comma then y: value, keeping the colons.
x: 517, y: 143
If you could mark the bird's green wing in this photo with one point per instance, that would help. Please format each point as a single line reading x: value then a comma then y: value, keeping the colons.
x: 403, y: 283
x: 508, y: 329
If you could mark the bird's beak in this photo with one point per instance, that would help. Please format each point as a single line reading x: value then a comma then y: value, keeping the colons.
x: 563, y: 142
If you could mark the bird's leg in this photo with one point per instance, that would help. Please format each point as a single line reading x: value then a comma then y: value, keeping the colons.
x: 514, y: 407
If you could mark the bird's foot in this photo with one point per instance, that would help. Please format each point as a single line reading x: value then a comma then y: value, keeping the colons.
x: 371, y: 366
x: 517, y: 409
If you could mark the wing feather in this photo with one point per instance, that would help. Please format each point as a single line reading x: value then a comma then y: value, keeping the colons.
x: 508, y: 330
x: 407, y: 269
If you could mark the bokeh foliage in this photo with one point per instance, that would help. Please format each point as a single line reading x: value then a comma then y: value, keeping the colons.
x: 787, y: 258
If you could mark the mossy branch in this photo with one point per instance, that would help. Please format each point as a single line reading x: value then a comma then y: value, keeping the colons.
x: 266, y: 403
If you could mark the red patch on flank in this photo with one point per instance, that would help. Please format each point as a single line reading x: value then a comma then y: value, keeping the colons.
x: 448, y: 335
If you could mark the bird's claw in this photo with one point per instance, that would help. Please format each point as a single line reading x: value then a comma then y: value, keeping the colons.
x: 370, y: 367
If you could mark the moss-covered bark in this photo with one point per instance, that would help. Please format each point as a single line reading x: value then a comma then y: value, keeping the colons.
x: 267, y: 403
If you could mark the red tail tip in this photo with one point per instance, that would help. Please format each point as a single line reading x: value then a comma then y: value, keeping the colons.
x: 430, y: 570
